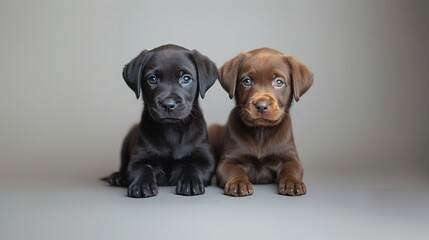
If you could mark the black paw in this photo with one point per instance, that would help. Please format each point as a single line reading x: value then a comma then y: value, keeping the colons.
x: 116, y: 179
x: 143, y: 189
x: 190, y: 187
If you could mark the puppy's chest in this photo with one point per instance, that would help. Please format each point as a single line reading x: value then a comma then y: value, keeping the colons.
x: 261, y: 145
x: 174, y: 145
x: 263, y: 157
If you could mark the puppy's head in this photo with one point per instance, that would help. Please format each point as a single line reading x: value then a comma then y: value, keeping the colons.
x: 264, y: 82
x: 169, y: 78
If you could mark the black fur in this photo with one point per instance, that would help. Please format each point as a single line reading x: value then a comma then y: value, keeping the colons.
x: 169, y: 146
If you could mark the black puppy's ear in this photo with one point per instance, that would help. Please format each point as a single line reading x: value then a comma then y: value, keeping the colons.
x: 229, y: 74
x: 206, y: 70
x: 302, y: 78
x: 132, y: 72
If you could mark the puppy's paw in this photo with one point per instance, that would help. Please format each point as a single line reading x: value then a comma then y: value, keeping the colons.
x: 190, y: 187
x: 143, y: 189
x: 116, y: 179
x: 238, y: 187
x: 292, y: 187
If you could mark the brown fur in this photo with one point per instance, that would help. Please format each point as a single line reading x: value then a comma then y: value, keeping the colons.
x: 257, y: 146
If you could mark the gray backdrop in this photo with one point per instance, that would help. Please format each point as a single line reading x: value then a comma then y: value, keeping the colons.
x: 65, y: 108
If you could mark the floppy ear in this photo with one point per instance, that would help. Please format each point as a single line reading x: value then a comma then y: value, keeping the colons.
x: 206, y: 70
x: 229, y: 72
x: 132, y: 72
x: 302, y: 78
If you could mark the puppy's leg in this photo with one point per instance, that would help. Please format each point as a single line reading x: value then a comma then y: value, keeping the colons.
x: 234, y: 179
x: 194, y: 173
x: 290, y: 179
x: 141, y: 176
x: 142, y: 180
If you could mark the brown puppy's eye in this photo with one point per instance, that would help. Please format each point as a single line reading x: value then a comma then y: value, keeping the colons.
x: 247, y: 81
x: 278, y: 82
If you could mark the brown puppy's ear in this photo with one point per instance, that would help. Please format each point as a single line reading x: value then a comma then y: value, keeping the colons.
x: 229, y: 72
x: 132, y: 72
x: 302, y: 78
x: 206, y: 70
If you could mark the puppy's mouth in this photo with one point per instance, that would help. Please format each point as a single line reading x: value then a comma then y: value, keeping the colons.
x: 261, y: 121
x: 170, y: 120
x: 160, y: 115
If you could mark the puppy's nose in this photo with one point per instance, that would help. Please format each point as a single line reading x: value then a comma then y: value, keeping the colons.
x: 169, y: 104
x: 262, y: 106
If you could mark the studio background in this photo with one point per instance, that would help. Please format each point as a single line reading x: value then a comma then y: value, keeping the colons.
x: 361, y: 130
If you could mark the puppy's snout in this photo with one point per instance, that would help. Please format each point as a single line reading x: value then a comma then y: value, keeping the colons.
x: 262, y: 106
x: 169, y: 104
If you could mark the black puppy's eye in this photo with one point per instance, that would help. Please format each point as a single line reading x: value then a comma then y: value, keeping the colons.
x: 278, y: 82
x: 152, y: 79
x: 247, y: 81
x: 185, y: 79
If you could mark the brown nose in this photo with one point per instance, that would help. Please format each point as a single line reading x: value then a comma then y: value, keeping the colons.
x: 262, y: 106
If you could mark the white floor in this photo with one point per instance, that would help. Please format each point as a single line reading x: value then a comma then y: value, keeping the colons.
x: 339, y: 205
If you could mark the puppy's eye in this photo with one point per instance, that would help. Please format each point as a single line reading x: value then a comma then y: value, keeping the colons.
x: 152, y: 79
x: 185, y: 79
x: 278, y: 82
x: 247, y: 81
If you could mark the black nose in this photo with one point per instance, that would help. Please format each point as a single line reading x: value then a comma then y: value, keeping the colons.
x: 262, y: 106
x: 169, y: 104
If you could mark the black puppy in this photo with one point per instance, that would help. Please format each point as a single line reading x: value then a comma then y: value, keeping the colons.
x: 169, y: 146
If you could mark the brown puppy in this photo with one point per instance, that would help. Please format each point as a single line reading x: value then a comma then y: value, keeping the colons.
x: 257, y: 144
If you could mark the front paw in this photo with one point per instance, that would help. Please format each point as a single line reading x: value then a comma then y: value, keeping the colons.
x: 238, y: 187
x: 143, y: 189
x: 116, y: 179
x: 190, y: 187
x: 292, y: 187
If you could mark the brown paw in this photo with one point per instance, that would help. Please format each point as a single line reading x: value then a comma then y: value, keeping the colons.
x: 238, y: 188
x: 292, y: 187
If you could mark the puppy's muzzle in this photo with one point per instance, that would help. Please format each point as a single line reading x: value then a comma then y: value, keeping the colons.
x: 169, y: 104
x: 170, y: 108
x: 262, y: 110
